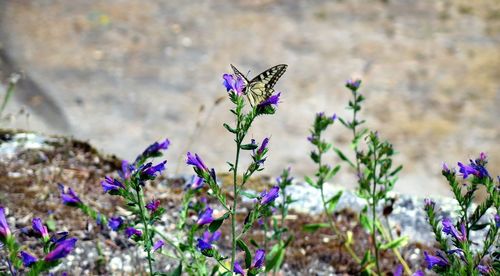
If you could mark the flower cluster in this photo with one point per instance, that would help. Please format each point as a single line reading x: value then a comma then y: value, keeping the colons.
x: 55, y: 248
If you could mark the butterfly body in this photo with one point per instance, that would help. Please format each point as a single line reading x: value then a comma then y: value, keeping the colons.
x: 261, y: 87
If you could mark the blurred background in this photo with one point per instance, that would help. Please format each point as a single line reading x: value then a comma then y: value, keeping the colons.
x: 123, y: 74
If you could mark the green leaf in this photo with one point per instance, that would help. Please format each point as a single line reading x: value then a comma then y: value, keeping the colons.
x: 214, y: 226
x: 254, y: 243
x: 275, y: 258
x: 332, y: 202
x: 310, y: 182
x: 479, y: 226
x: 249, y: 146
x: 215, y: 269
x: 342, y: 156
x: 399, y: 242
x: 314, y: 226
x: 366, y: 223
x: 332, y: 173
x: 230, y: 129
x: 177, y: 271
x: 248, y: 256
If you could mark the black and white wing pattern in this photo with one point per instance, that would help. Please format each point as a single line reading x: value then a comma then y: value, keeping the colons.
x: 260, y: 88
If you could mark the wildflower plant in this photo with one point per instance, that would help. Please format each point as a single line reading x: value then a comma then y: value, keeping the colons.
x: 274, y: 225
x: 258, y: 152
x: 139, y: 226
x: 20, y: 260
x: 376, y: 177
x: 458, y: 254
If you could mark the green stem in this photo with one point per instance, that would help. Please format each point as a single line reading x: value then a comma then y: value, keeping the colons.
x: 147, y: 241
x: 235, y: 192
x: 374, y: 213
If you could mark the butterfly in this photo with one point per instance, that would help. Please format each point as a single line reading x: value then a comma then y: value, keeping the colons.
x: 260, y: 88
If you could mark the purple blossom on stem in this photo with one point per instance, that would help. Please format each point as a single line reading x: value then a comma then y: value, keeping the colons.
x: 445, y: 168
x: 149, y: 171
x: 59, y: 237
x: 27, y: 258
x: 111, y: 184
x: 353, y: 84
x: 233, y: 84
x: 69, y: 197
x: 158, y: 245
x: 126, y: 170
x: 153, y: 205
x: 205, y: 217
x: 268, y: 197
x: 273, y: 99
x: 196, y: 183
x: 211, y: 237
x: 418, y: 273
x: 115, y: 223
x: 450, y: 229
x: 432, y: 260
x: 263, y: 146
x: 4, y: 227
x: 41, y: 229
x: 203, y: 245
x: 62, y: 250
x: 130, y: 231
x: 475, y: 168
x: 196, y: 161
x: 259, y: 259
x: 483, y: 269
x: 429, y: 203
x: 155, y: 148
x: 497, y: 220
x: 238, y: 269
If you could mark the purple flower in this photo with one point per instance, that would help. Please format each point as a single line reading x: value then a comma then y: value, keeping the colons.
x: 274, y: 99
x: 259, y: 258
x: 27, y: 258
x: 155, y: 148
x: 130, y: 231
x: 41, y: 229
x: 238, y: 269
x: 475, y: 168
x: 450, y: 229
x: 62, y: 250
x: 483, y: 269
x: 115, y: 223
x: 196, y: 161
x: 153, y: 205
x: 4, y: 227
x: 445, y: 168
x: 429, y: 203
x: 203, y: 245
x: 432, y: 260
x: 111, y: 184
x: 126, y: 170
x: 158, y: 245
x: 497, y: 220
x: 59, y: 237
x: 205, y: 217
x: 268, y: 197
x: 353, y: 84
x: 69, y: 197
x: 233, y: 84
x: 211, y: 237
x: 263, y: 146
x: 398, y: 271
x: 196, y: 183
x: 149, y: 171
x: 418, y: 273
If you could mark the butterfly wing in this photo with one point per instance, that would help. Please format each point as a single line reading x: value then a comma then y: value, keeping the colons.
x: 261, y: 87
x: 239, y: 74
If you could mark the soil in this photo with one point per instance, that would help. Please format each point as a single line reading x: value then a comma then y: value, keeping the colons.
x: 28, y: 188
